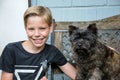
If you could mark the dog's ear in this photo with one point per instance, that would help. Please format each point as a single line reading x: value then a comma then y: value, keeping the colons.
x: 92, y: 27
x: 72, y: 28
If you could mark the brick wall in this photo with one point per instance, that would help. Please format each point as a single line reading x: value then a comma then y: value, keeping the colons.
x: 81, y: 10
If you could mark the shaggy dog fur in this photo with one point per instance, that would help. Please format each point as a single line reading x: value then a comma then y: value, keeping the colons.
x: 95, y: 61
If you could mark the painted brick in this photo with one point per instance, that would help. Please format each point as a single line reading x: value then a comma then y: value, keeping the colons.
x: 88, y: 2
x: 79, y: 14
x: 113, y: 2
x: 54, y: 3
x: 104, y: 12
x: 33, y: 2
x: 74, y: 14
x: 80, y: 10
x: 57, y: 13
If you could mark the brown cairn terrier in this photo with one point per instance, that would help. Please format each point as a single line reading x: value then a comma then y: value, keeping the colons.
x: 94, y: 60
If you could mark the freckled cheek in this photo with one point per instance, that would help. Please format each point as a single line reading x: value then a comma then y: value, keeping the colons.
x: 29, y: 34
x: 46, y: 33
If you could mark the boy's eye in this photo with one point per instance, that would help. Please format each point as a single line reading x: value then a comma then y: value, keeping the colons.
x: 42, y: 28
x: 30, y: 28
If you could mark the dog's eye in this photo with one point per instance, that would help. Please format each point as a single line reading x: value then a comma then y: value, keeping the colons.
x: 76, y: 37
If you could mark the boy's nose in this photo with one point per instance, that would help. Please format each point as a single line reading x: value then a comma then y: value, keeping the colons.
x: 36, y: 33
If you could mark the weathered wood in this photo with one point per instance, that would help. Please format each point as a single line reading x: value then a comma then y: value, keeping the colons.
x: 107, y: 23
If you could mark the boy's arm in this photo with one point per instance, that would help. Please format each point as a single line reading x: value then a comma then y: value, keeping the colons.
x: 69, y: 70
x: 6, y: 76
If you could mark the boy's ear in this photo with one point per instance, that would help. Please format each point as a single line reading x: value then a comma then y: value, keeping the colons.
x: 52, y: 26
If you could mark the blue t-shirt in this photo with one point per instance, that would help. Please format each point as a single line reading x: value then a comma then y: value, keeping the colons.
x: 26, y: 66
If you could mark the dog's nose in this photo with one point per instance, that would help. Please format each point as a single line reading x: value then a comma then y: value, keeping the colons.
x: 81, y: 40
x: 79, y: 44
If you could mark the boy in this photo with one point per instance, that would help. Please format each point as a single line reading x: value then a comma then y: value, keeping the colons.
x: 22, y: 60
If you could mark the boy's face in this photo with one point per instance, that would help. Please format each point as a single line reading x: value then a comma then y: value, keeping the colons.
x: 37, y: 30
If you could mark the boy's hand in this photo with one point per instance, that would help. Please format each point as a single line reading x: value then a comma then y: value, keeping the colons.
x: 44, y: 78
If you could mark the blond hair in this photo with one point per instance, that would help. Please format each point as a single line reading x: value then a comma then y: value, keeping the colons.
x: 38, y: 11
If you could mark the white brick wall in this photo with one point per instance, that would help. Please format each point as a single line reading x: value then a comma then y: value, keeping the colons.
x: 113, y: 2
x: 88, y: 3
x: 74, y: 14
x: 107, y: 11
x: 81, y: 10
x: 55, y: 3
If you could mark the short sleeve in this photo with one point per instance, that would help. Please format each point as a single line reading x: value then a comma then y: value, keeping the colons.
x: 7, y: 59
x: 59, y: 58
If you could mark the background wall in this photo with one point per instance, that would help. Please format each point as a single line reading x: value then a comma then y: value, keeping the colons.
x: 11, y: 21
x: 81, y: 10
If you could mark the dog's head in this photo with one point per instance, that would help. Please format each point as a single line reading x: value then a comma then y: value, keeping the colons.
x: 83, y: 40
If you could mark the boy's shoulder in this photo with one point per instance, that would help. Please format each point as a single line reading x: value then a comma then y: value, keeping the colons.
x: 13, y: 44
